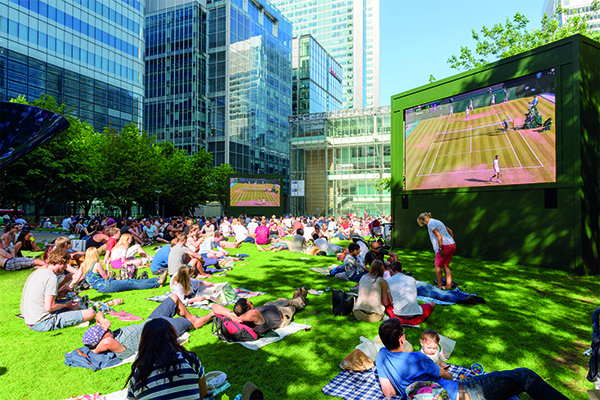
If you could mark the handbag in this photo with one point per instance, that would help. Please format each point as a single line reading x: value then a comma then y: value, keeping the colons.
x: 343, y: 303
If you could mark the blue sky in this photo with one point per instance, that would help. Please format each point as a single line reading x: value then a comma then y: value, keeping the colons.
x: 418, y: 36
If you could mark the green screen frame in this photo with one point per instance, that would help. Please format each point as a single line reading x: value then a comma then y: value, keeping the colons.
x: 517, y: 223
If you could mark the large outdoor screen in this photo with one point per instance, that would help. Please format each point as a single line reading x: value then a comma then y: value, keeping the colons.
x: 254, y: 192
x: 453, y: 142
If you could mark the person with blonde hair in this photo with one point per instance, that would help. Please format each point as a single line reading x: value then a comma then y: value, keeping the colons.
x: 100, y: 279
x: 186, y: 288
x: 373, y: 295
x: 444, y: 246
x: 121, y: 254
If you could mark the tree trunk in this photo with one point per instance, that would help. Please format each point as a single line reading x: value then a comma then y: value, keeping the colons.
x: 39, y: 204
x: 87, y: 205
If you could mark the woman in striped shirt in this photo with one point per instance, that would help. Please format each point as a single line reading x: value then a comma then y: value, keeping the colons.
x: 164, y: 368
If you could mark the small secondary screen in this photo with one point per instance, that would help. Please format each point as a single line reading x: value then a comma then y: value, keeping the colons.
x: 497, y: 135
x: 254, y: 192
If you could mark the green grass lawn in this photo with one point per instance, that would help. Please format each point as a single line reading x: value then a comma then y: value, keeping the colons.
x: 534, y: 317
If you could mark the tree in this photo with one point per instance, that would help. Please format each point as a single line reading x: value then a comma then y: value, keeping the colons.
x: 46, y: 173
x: 131, y: 165
x: 219, y: 185
x: 502, y: 41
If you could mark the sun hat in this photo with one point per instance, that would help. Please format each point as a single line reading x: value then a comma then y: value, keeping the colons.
x: 251, y: 392
x: 93, y: 335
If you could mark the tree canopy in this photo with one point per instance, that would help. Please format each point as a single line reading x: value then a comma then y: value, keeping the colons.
x: 120, y: 168
x: 514, y: 37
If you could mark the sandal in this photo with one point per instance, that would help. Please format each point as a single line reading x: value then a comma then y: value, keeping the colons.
x: 114, y: 302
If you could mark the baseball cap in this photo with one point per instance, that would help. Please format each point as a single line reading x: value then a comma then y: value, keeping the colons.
x: 93, y: 335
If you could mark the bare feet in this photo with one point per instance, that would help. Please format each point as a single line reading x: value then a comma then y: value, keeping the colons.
x: 260, y: 248
x: 448, y: 287
x: 162, y: 278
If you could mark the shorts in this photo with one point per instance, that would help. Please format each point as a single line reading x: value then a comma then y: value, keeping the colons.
x: 445, y: 260
x: 496, y: 170
x: 280, y: 244
x: 167, y: 310
x: 16, y: 263
x: 59, y: 320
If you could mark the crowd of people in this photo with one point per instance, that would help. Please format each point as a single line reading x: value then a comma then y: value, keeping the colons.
x: 190, y: 250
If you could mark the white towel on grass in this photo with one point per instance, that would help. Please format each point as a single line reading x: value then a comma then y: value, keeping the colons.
x: 282, y: 332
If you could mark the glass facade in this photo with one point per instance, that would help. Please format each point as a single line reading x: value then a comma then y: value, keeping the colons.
x: 344, y: 29
x: 249, y: 86
x: 176, y: 75
x: 86, y: 53
x: 316, y: 78
x: 339, y: 155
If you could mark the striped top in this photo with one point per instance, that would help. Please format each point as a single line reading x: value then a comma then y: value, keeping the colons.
x: 184, y: 385
x: 96, y: 280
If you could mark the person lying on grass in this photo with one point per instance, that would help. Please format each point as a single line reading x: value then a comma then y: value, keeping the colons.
x: 188, y: 289
x: 9, y: 262
x: 39, y: 307
x: 277, y: 244
x: 270, y: 316
x: 125, y: 341
x: 397, y: 369
x: 100, y: 278
x: 427, y: 290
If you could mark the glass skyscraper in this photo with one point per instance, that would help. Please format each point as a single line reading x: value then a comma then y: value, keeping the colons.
x: 176, y: 72
x: 316, y: 78
x: 339, y: 155
x: 249, y: 86
x: 349, y: 31
x: 88, y: 54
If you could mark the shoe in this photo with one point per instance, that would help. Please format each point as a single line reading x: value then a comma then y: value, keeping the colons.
x: 354, y: 289
x: 499, y: 181
x: 479, y: 300
x: 490, y: 179
x: 300, y: 293
x: 162, y: 278
x: 470, y: 300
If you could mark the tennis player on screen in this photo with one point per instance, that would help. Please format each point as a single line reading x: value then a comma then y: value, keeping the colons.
x: 496, y: 167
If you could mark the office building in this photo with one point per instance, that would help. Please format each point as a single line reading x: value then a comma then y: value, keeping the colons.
x: 349, y: 31
x: 88, y: 54
x: 176, y: 72
x: 249, y: 86
x: 574, y: 6
x: 335, y: 160
x: 316, y: 78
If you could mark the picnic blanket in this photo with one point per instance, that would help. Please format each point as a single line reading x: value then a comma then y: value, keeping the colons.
x: 364, y: 385
x: 282, y: 332
x: 246, y: 294
x: 85, y: 358
x: 323, y: 270
x: 205, y: 304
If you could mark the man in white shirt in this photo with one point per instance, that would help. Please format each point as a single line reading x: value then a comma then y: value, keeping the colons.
x: 364, y: 249
x: 66, y: 224
x: 252, y: 226
x: 403, y: 289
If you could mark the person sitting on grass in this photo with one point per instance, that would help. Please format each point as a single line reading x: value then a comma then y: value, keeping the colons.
x: 353, y: 265
x: 208, y: 229
x: 120, y: 255
x: 9, y: 262
x: 151, y: 232
x: 298, y: 242
x: 262, y: 233
x: 26, y: 242
x: 39, y: 307
x: 404, y: 305
x: 128, y: 228
x: 377, y: 253
x: 98, y: 240
x: 124, y: 342
x: 115, y: 235
x: 188, y: 289
x: 276, y: 245
x: 373, y: 295
x: 180, y: 254
x: 100, y: 278
x: 398, y: 368
x: 164, y: 368
x: 203, y: 245
x: 270, y: 316
x: 241, y: 233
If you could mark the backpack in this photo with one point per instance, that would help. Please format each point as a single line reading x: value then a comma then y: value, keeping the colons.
x: 343, y: 303
x: 228, y: 331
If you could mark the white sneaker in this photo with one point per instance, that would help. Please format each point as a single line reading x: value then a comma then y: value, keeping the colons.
x: 499, y: 181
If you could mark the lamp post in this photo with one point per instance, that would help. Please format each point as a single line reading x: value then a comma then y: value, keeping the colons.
x: 158, y: 192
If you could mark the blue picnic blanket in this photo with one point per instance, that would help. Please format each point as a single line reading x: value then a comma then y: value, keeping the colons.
x: 351, y: 385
